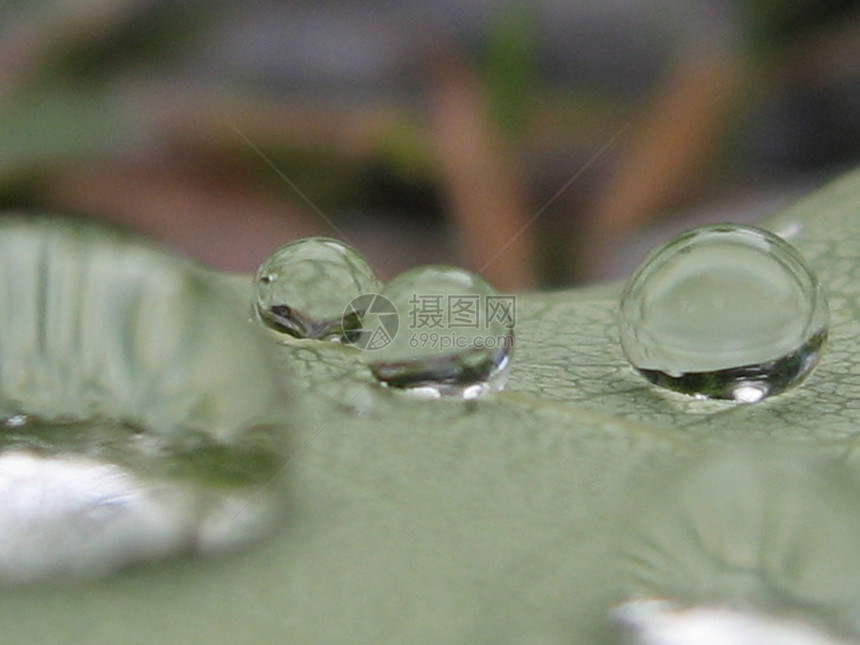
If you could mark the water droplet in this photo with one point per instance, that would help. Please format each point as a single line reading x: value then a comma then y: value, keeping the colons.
x: 454, y: 337
x: 770, y: 530
x: 303, y: 288
x: 141, y: 416
x: 726, y: 312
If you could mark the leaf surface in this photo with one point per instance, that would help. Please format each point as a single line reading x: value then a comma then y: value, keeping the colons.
x: 492, y: 521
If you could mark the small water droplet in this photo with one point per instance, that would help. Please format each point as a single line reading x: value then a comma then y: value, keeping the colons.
x: 724, y: 311
x: 303, y: 288
x: 454, y: 337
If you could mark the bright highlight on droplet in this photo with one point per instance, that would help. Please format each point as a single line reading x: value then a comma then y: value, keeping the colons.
x: 141, y: 418
x: 454, y: 337
x: 302, y: 289
x: 724, y: 311
x: 660, y: 622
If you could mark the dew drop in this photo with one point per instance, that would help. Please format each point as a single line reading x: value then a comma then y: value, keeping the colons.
x: 765, y: 530
x: 303, y: 288
x: 141, y: 416
x: 454, y: 335
x: 724, y: 311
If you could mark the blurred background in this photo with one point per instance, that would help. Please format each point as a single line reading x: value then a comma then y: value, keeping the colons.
x: 543, y: 143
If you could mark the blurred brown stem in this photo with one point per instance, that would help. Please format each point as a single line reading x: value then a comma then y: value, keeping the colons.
x: 33, y: 37
x: 479, y: 174
x: 676, y: 137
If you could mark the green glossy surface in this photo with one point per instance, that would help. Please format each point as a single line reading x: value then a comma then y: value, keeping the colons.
x: 490, y: 521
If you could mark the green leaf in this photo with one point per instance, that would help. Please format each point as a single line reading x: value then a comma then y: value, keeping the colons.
x: 493, y: 521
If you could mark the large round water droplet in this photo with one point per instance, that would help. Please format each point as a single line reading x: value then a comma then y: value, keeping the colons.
x: 764, y: 530
x: 454, y: 337
x: 303, y: 288
x: 724, y: 311
x: 142, y: 418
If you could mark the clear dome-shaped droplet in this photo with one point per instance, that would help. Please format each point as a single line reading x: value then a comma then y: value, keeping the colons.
x: 764, y: 529
x: 724, y: 311
x: 454, y: 335
x: 141, y: 416
x: 303, y: 288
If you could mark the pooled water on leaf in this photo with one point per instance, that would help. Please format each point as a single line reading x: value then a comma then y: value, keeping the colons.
x: 726, y: 312
x: 141, y: 418
x: 303, y: 288
x: 455, y: 335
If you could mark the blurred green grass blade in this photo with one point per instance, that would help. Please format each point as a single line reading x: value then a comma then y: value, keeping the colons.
x: 510, y: 64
